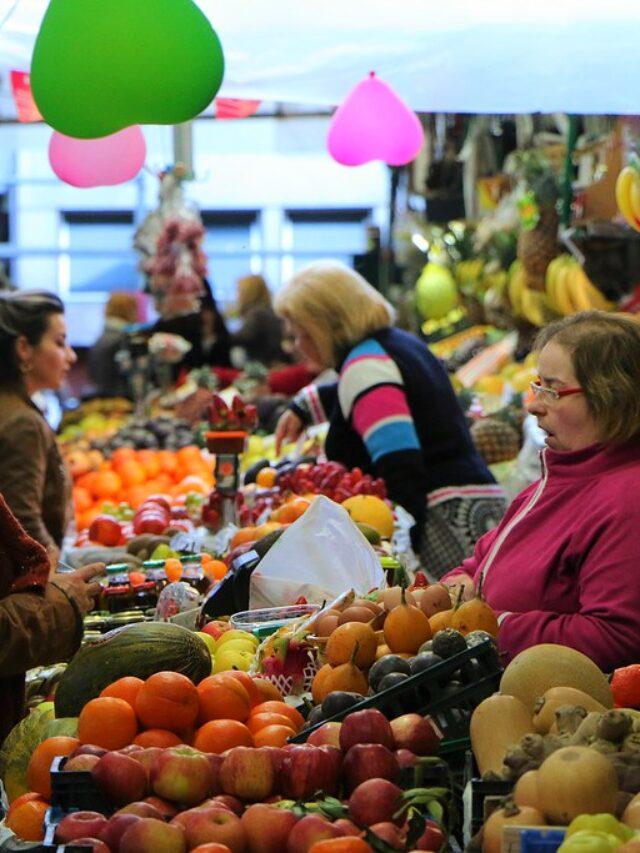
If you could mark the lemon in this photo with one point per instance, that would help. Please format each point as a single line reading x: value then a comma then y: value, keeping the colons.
x: 227, y: 659
x: 371, y: 510
x: 235, y: 634
x: 208, y: 639
x: 239, y: 644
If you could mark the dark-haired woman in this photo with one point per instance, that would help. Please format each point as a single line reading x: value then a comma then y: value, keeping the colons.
x: 34, y: 356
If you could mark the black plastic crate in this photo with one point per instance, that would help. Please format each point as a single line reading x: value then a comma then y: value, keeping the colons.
x: 428, y: 693
x: 482, y: 792
x: 50, y: 845
x: 76, y: 790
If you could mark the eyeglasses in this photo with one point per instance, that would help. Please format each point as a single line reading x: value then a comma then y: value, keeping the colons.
x: 550, y: 395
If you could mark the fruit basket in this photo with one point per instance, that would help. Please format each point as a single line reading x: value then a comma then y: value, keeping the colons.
x: 430, y: 692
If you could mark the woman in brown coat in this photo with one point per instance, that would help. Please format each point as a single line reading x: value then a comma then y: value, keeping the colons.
x: 40, y: 620
x: 34, y: 356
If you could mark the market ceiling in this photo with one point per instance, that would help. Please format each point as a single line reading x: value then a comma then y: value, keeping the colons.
x: 578, y: 56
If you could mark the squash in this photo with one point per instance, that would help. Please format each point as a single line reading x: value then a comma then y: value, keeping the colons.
x: 509, y: 815
x: 497, y: 723
x: 576, y: 780
x: 532, y: 672
x: 139, y: 650
x: 545, y: 707
x: 525, y: 792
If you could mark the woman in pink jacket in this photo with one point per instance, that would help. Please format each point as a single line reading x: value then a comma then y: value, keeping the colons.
x: 563, y: 566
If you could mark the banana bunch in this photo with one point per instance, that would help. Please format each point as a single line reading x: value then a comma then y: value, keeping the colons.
x: 628, y: 194
x: 568, y: 290
x: 468, y: 273
x: 532, y: 305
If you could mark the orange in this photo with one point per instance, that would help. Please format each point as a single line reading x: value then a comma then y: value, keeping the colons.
x: 87, y: 481
x: 215, y: 570
x: 291, y: 511
x: 157, y: 737
x: 249, y: 684
x: 168, y: 700
x: 38, y: 771
x: 261, y: 721
x: 219, y: 735
x: 223, y: 698
x: 167, y: 461
x: 267, y: 690
x: 625, y: 686
x: 107, y: 485
x: 137, y: 495
x: 132, y: 473
x: 273, y: 736
x: 82, y: 500
x: 280, y: 708
x: 267, y: 528
x: 27, y: 821
x: 85, y: 520
x: 126, y: 688
x: 242, y: 536
x: 267, y: 477
x: 173, y: 569
x: 121, y: 455
x: 149, y: 461
x: 187, y: 454
x: 193, y: 483
x: 347, y: 844
x: 24, y: 798
x: 107, y: 722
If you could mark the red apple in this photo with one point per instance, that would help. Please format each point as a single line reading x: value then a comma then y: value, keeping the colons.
x: 305, y: 770
x: 159, y: 500
x: 106, y: 530
x: 215, y: 761
x: 432, y: 838
x: 142, y: 809
x: 368, y: 761
x: 153, y: 836
x: 411, y: 731
x: 267, y: 829
x: 333, y: 768
x: 247, y: 773
x: 214, y: 824
x: 307, y: 831
x: 228, y: 802
x: 79, y: 825
x: 406, y: 758
x: 346, y: 826
x: 368, y: 726
x: 326, y: 735
x: 276, y: 754
x: 150, y: 521
x: 121, y: 778
x: 88, y: 749
x: 81, y: 763
x: 131, y: 749
x: 181, y: 774
x: 116, y: 827
x: 216, y: 628
x: 146, y: 757
x: 390, y: 834
x: 212, y: 847
x: 374, y: 801
x: 166, y: 809
x: 95, y: 844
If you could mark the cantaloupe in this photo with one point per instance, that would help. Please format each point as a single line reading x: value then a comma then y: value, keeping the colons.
x: 534, y: 671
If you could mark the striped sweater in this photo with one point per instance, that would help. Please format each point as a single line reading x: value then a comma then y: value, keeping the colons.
x: 394, y: 414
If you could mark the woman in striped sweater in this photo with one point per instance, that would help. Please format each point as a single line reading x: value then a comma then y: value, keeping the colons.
x: 393, y: 412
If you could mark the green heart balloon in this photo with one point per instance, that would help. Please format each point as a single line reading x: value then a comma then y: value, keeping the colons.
x: 102, y: 65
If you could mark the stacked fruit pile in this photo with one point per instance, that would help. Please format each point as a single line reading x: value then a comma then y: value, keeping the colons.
x: 330, y: 479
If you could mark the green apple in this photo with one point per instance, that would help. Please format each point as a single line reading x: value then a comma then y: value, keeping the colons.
x: 238, y: 645
x: 235, y: 634
x: 208, y: 639
x: 232, y: 659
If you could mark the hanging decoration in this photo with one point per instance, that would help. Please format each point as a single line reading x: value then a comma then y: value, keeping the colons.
x: 99, y: 67
x: 23, y: 97
x: 373, y: 123
x: 103, y: 162
x: 235, y: 108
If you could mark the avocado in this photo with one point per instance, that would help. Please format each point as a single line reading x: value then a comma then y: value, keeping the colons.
x: 370, y: 533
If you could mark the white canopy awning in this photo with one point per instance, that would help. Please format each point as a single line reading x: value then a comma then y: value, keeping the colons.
x: 496, y: 56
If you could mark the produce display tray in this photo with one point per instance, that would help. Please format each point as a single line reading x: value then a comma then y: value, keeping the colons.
x: 485, y: 795
x: 75, y: 790
x: 428, y: 693
x: 524, y: 839
x: 50, y: 845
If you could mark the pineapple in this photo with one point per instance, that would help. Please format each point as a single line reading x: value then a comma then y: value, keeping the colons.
x: 538, y: 246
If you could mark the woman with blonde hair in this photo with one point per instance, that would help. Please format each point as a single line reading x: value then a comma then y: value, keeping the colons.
x: 393, y: 412
x: 260, y: 335
x: 563, y: 566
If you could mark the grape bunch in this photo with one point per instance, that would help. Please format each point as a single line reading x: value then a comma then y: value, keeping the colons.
x: 331, y: 479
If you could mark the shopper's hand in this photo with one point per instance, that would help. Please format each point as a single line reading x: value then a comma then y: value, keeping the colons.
x: 464, y: 581
x: 81, y: 586
x: 289, y: 428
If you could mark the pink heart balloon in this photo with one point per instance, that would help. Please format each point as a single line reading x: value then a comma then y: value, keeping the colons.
x: 100, y: 162
x: 373, y: 123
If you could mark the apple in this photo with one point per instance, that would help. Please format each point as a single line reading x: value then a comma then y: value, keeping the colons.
x: 347, y: 827
x: 369, y: 761
x: 95, y: 844
x: 121, y: 778
x: 215, y: 761
x: 208, y: 640
x: 159, y: 500
x: 116, y: 827
x: 231, y: 658
x: 216, y: 628
x: 149, y: 835
x: 432, y: 838
x: 214, y: 824
x: 146, y: 756
x: 88, y: 749
x: 277, y: 755
x: 405, y: 758
x: 368, y: 726
x: 326, y: 735
x: 411, y: 731
x: 142, y: 809
x: 79, y: 825
x: 181, y: 774
x: 374, y: 801
x: 106, y: 530
x: 228, y: 802
x: 166, y: 809
x: 267, y: 829
x: 81, y: 763
x: 390, y: 834
x: 305, y: 770
x: 247, y: 773
x: 131, y: 749
x: 307, y: 831
x: 333, y: 768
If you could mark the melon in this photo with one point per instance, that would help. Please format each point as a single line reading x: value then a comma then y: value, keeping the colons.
x: 535, y: 670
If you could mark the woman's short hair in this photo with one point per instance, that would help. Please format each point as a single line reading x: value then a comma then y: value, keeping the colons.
x: 252, y: 291
x: 122, y: 306
x: 23, y: 313
x: 605, y: 352
x: 335, y: 306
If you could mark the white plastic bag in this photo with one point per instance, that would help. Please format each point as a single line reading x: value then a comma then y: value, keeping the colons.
x: 318, y: 557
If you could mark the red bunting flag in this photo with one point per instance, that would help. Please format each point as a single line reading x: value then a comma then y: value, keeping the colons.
x: 25, y: 105
x: 234, y: 108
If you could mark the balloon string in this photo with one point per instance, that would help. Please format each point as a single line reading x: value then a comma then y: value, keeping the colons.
x: 12, y: 9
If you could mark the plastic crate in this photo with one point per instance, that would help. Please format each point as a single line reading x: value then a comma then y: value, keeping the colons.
x: 427, y: 693
x: 76, y: 790
x: 523, y: 839
x: 50, y: 845
x: 485, y: 795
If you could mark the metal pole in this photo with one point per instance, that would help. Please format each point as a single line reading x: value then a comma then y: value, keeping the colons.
x: 183, y: 147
